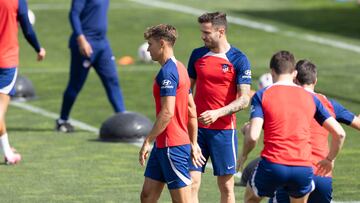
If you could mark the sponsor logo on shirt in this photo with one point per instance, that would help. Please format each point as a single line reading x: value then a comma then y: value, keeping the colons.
x: 252, y: 108
x: 166, y: 84
x: 247, y: 74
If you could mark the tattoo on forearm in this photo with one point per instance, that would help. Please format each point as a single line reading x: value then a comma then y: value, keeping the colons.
x: 240, y: 103
x: 244, y: 99
x: 244, y: 102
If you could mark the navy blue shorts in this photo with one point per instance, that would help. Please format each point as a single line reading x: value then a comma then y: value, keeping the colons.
x: 170, y: 165
x: 221, y: 147
x: 321, y: 194
x: 268, y: 177
x: 7, y: 80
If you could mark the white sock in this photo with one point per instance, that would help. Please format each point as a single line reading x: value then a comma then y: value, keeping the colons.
x: 61, y: 121
x: 5, y: 146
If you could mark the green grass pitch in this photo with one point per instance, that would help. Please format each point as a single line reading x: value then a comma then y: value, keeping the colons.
x: 77, y: 168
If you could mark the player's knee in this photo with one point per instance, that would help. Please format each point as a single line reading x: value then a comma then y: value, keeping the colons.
x: 226, y: 187
x: 195, y: 185
x: 149, y: 196
x: 145, y: 196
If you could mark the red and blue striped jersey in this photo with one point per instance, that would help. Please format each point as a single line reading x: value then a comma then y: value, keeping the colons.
x: 319, y: 135
x: 173, y: 80
x: 288, y: 111
x: 12, y: 12
x: 217, y: 76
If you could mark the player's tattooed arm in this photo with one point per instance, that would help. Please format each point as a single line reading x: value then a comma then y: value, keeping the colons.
x: 240, y: 103
x: 210, y: 116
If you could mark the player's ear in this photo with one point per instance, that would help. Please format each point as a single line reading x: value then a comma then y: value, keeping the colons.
x: 273, y: 75
x: 221, y: 31
x: 162, y: 43
x: 294, y: 74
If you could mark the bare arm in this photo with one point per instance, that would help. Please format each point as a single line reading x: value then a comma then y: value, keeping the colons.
x: 337, y: 141
x: 192, y: 124
x: 356, y: 122
x: 162, y: 121
x: 245, y: 131
x: 240, y: 103
x: 251, y: 136
x: 197, y: 158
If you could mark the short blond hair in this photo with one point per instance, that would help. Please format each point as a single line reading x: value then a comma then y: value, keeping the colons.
x: 162, y: 31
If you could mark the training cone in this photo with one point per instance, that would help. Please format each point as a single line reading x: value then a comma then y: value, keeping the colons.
x: 126, y: 60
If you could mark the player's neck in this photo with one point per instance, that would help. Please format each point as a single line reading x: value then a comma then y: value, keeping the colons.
x: 168, y: 53
x: 223, y: 47
x: 310, y: 87
x: 284, y: 78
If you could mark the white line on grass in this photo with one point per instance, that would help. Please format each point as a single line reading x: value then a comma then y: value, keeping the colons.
x: 52, y: 115
x: 132, y: 68
x: 235, y: 20
x: 254, y: 25
x: 196, y: 12
x: 66, y: 6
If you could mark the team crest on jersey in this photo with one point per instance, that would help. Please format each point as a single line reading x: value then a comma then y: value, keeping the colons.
x: 225, y: 68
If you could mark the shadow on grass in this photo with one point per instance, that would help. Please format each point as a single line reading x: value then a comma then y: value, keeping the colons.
x: 137, y: 142
x: 30, y: 129
x: 340, y: 20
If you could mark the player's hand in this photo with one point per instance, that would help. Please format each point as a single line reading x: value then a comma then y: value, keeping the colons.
x: 84, y: 46
x: 208, y: 117
x: 324, y: 167
x: 240, y: 163
x: 196, y: 156
x: 144, y: 152
x: 41, y: 55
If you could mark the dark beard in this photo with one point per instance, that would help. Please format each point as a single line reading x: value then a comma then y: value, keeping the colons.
x: 209, y: 46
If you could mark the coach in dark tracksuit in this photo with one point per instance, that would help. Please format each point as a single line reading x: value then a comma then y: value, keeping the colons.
x: 89, y: 48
